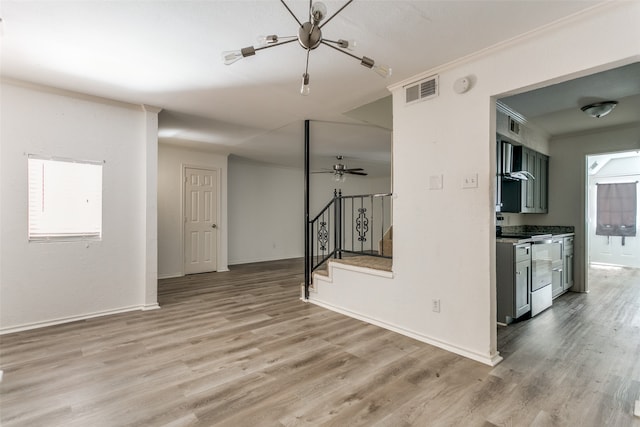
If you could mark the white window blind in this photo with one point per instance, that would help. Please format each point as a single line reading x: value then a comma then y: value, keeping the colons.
x: 65, y: 199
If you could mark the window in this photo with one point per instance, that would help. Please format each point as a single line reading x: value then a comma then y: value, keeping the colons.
x: 65, y: 199
x: 616, y: 209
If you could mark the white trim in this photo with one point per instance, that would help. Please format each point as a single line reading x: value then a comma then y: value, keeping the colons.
x: 170, y: 276
x: 69, y: 93
x: 218, y: 172
x: 505, y: 44
x: 61, y: 320
x: 147, y: 307
x: 365, y: 270
x: 487, y: 360
x: 254, y: 260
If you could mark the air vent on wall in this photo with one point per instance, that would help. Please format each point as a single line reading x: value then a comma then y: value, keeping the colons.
x: 514, y: 126
x: 424, y: 89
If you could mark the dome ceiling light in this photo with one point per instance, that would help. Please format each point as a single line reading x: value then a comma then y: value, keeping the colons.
x: 310, y: 37
x: 599, y: 109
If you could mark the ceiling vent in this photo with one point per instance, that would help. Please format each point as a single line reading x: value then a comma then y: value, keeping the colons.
x: 422, y: 90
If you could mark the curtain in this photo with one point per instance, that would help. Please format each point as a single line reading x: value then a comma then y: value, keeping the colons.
x: 616, y: 209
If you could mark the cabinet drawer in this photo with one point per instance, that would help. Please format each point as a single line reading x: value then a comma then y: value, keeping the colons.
x: 522, y: 252
x: 568, y: 245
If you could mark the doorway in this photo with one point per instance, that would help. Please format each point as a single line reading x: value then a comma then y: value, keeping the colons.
x: 200, y: 220
x: 613, y: 210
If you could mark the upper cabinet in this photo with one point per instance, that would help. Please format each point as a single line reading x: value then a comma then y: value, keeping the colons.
x: 531, y: 195
x: 522, y: 172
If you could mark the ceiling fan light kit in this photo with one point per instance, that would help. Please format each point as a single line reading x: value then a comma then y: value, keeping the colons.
x: 310, y: 37
x: 340, y: 171
x: 599, y: 109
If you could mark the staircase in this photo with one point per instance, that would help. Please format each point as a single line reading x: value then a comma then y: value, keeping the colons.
x: 352, y: 231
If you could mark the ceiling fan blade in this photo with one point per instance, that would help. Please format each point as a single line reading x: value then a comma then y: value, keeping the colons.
x: 353, y: 169
x: 356, y: 173
x: 323, y: 172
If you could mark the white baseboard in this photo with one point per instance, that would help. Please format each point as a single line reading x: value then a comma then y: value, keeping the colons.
x: 277, y: 258
x: 170, y: 276
x: 61, y: 320
x: 148, y: 307
x: 487, y: 360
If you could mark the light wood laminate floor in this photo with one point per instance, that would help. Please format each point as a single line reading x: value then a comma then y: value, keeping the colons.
x: 240, y: 349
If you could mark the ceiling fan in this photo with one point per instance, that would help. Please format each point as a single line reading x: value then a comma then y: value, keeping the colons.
x: 340, y: 171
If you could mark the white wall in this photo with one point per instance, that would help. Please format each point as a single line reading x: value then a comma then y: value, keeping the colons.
x: 171, y: 160
x: 44, y: 283
x: 322, y: 187
x: 265, y: 212
x: 444, y: 240
x: 266, y: 208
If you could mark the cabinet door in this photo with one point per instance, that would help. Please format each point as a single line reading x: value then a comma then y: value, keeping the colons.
x: 542, y: 184
x: 568, y: 272
x: 557, y: 281
x: 522, y: 288
x: 528, y: 187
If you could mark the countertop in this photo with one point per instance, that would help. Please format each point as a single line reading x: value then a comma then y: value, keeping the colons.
x: 517, y: 241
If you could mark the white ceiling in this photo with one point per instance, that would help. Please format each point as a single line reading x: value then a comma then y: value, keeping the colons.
x: 167, y: 54
x: 556, y: 108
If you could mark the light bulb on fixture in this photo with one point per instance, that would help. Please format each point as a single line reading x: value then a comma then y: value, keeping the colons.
x: 231, y: 56
x: 318, y: 12
x: 347, y: 44
x: 305, y: 89
x: 267, y: 40
x: 381, y: 70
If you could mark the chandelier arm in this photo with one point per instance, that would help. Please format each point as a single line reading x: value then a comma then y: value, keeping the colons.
x: 274, y: 45
x: 292, y: 14
x: 306, y: 69
x: 325, y: 42
x: 332, y: 16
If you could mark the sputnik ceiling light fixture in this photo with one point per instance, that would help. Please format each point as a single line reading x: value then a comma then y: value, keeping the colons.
x: 310, y: 37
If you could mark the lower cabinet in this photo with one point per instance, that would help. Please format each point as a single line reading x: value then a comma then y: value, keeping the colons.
x: 557, y: 270
x: 513, y: 280
x: 567, y: 264
x: 522, y: 286
x: 563, y: 276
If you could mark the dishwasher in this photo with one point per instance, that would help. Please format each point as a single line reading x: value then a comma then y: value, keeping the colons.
x: 545, y: 254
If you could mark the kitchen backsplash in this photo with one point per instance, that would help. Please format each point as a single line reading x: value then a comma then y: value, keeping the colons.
x: 537, y: 229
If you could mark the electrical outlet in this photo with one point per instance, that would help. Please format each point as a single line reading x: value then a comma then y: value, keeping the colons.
x: 435, y: 305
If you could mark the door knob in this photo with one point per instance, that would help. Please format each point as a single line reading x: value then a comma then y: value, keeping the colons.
x: 214, y: 226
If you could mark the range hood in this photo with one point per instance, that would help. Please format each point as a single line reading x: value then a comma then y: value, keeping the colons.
x: 507, y: 165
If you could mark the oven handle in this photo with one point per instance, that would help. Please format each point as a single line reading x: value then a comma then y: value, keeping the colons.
x: 541, y: 242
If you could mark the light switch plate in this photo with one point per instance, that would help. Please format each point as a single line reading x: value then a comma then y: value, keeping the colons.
x: 435, y: 182
x: 470, y: 181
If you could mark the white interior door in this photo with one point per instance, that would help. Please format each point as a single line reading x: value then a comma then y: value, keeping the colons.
x: 200, y: 222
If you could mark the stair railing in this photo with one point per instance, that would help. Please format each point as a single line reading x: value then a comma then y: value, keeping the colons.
x: 352, y: 225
